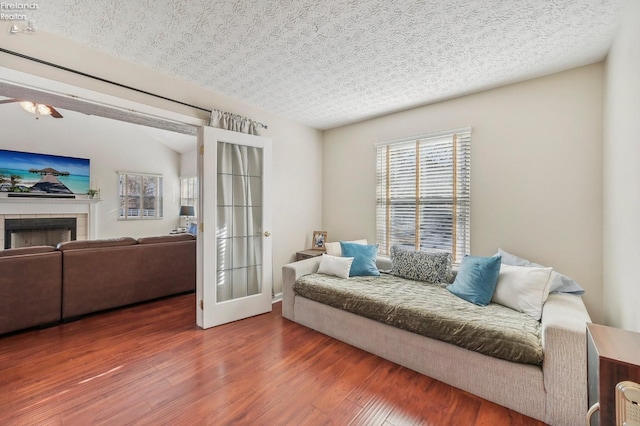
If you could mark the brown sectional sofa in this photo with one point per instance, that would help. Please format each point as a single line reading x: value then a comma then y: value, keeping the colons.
x: 43, y: 285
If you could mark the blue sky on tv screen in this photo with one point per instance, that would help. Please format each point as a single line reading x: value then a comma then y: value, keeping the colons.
x: 19, y: 164
x: 27, y: 160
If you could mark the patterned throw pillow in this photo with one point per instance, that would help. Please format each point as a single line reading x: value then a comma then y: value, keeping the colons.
x: 430, y: 266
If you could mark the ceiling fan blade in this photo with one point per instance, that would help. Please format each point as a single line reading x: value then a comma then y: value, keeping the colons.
x: 8, y: 101
x: 54, y: 112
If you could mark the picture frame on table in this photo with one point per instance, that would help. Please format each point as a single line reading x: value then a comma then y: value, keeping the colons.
x: 318, y: 240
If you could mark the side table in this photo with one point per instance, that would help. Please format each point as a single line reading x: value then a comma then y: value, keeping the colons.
x: 306, y: 254
x: 613, y: 356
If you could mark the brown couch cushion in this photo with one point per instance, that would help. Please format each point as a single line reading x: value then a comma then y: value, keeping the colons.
x: 30, y: 289
x: 100, y: 278
x: 26, y: 250
x: 167, y: 268
x: 166, y: 239
x: 111, y: 242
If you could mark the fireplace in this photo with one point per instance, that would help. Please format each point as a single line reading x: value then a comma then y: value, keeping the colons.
x: 38, y: 231
x: 83, y: 210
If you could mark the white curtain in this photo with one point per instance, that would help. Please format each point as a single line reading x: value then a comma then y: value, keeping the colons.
x: 235, y: 123
x: 239, y: 221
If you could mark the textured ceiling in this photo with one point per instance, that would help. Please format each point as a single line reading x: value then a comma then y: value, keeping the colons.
x: 326, y: 63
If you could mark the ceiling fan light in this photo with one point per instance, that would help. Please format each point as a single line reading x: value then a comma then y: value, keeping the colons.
x: 28, y: 106
x: 43, y: 109
x: 34, y: 108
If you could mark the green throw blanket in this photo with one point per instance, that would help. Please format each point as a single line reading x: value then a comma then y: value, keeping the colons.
x: 432, y: 311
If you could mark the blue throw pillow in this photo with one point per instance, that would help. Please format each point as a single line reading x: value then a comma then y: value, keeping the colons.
x: 364, y: 262
x: 476, y: 279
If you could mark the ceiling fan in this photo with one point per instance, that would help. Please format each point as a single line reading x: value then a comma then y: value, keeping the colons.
x: 35, y: 108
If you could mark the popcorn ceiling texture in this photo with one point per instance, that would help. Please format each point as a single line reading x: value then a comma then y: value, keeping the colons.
x: 327, y: 63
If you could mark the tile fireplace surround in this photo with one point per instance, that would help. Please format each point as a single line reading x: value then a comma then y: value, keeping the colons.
x: 82, y: 209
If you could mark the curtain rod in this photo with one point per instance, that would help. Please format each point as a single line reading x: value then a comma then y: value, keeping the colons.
x: 51, y: 64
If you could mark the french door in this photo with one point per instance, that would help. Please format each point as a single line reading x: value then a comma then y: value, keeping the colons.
x: 234, y: 275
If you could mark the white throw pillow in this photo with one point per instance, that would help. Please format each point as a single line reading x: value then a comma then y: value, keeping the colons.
x: 523, y: 288
x: 334, y: 249
x: 559, y: 283
x: 336, y: 266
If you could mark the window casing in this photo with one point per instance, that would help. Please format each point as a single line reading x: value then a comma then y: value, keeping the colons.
x: 423, y: 193
x: 140, y: 196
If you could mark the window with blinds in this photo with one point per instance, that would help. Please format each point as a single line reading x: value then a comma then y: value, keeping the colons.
x: 423, y: 193
x: 189, y: 192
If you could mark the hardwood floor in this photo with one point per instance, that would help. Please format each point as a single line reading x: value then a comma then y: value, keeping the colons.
x: 150, y: 365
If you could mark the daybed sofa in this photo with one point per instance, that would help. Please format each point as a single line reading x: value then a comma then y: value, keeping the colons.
x: 43, y: 285
x: 554, y: 392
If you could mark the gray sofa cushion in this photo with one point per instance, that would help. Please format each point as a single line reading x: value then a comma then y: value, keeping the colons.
x: 432, y: 266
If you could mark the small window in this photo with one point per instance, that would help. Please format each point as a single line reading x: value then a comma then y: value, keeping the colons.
x: 140, y: 196
x: 189, y: 192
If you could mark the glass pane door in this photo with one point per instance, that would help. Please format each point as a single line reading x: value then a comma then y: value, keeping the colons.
x: 234, y: 248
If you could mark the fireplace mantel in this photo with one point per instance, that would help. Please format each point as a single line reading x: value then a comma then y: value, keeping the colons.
x: 4, y: 199
x: 57, y: 206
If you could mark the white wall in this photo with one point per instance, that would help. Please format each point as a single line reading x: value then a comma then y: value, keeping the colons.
x: 189, y: 163
x: 622, y: 175
x: 111, y: 146
x: 297, y: 149
x: 536, y: 171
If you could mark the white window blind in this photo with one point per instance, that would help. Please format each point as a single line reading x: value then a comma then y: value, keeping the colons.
x: 189, y: 192
x: 423, y: 193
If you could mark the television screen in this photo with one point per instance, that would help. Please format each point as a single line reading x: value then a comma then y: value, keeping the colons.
x: 42, y: 174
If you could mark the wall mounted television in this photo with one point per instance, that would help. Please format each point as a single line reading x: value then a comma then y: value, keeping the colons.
x: 31, y: 174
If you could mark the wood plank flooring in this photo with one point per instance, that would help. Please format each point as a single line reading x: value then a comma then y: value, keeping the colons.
x: 150, y: 365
